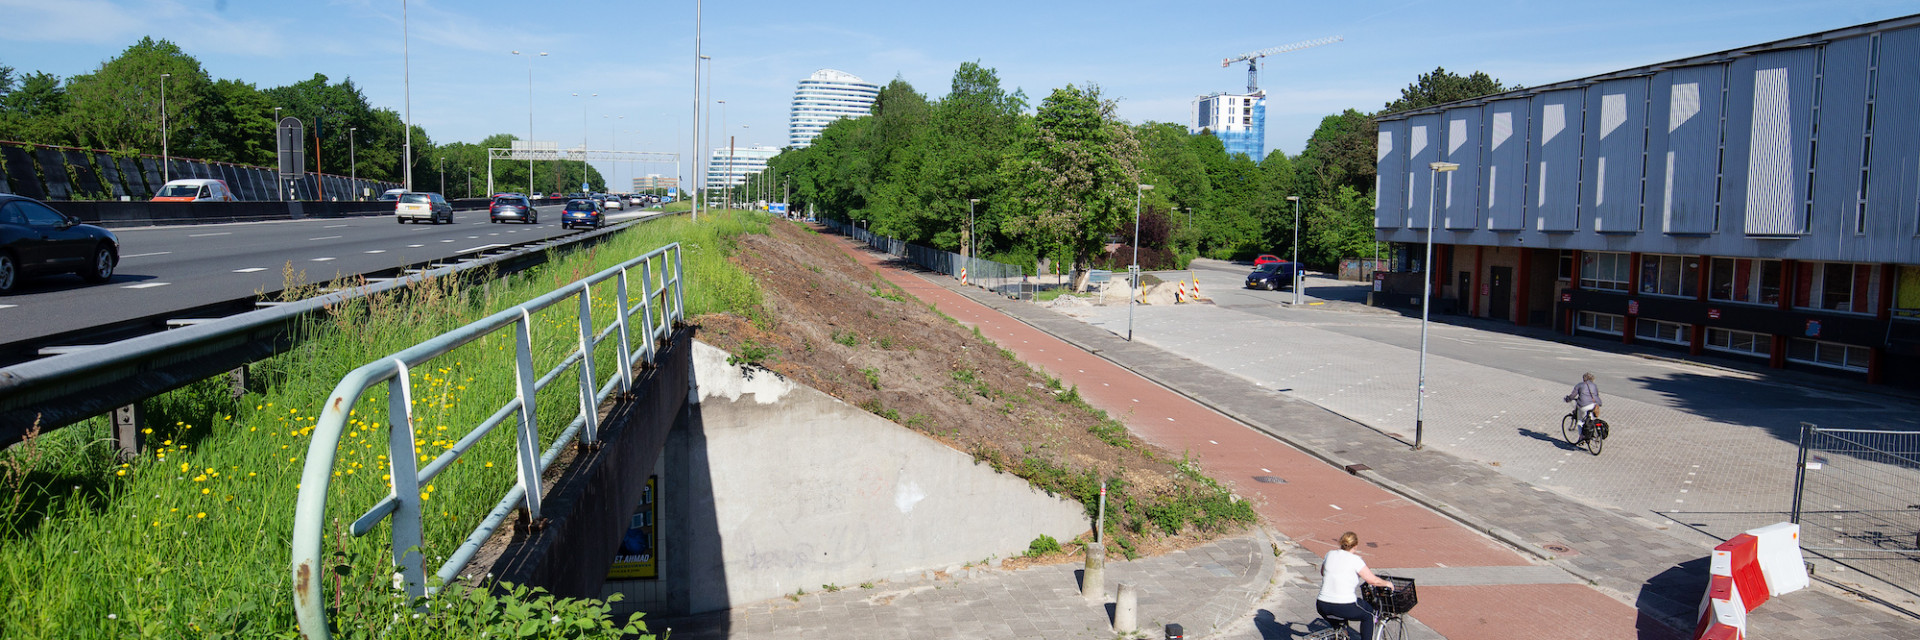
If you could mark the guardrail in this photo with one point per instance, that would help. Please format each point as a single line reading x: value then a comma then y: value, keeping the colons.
x: 999, y: 277
x: 402, y: 503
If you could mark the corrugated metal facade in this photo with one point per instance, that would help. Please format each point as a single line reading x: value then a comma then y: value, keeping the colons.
x: 1555, y: 156
x: 1389, y: 185
x: 1683, y: 148
x: 1504, y: 178
x: 1422, y: 151
x: 1617, y: 137
x: 1460, y: 190
x: 1893, y: 192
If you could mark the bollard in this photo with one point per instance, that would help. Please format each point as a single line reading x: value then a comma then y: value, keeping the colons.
x: 1126, y: 611
x: 1093, y: 581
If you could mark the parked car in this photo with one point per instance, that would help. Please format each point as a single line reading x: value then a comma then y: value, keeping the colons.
x: 392, y: 195
x: 582, y: 212
x: 195, y: 190
x: 512, y: 207
x: 1272, y: 276
x: 37, y: 240
x: 1267, y: 258
x: 420, y: 205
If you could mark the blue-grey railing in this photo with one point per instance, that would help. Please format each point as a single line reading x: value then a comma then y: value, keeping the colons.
x: 999, y: 277
x: 661, y: 304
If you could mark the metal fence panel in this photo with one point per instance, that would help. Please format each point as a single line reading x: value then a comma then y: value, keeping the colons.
x: 1855, y: 501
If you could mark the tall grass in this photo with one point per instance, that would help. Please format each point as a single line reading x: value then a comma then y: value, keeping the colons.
x: 192, y: 539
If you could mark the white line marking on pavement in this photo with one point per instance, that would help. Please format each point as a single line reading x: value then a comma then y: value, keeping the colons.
x: 143, y: 255
x: 249, y: 269
x: 326, y: 238
x: 1266, y: 469
x: 146, y: 285
x: 446, y: 241
x: 322, y: 259
x: 8, y: 306
x: 1336, y: 507
x: 483, y: 247
x: 415, y: 246
x: 378, y: 251
x: 209, y: 235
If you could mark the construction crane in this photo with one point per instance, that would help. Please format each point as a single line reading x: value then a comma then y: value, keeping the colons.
x: 1253, y: 59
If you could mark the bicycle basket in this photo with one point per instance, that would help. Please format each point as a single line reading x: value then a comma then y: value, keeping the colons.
x: 1400, y: 599
x: 1600, y: 428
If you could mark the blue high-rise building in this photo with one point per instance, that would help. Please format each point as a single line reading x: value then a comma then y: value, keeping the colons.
x: 1240, y: 121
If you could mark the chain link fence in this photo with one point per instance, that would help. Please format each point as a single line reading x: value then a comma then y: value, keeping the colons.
x: 1001, y: 278
x: 1856, y: 502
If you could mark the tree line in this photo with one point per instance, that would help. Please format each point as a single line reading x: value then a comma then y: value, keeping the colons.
x: 118, y: 107
x: 1053, y: 185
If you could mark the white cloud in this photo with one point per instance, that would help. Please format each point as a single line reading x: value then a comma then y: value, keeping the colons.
x: 104, y: 22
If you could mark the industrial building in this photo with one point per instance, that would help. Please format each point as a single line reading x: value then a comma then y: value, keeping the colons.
x: 1240, y: 121
x: 824, y: 97
x: 730, y: 166
x: 1756, y: 203
x: 654, y: 182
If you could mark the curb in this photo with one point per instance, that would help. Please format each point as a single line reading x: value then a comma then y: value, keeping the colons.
x: 1228, y: 606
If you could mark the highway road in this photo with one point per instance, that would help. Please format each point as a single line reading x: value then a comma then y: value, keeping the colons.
x: 182, y: 267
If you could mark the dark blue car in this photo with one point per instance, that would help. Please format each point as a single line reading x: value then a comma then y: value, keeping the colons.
x: 1272, y: 276
x: 582, y: 212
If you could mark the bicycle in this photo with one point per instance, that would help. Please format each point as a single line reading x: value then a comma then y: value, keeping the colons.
x: 1392, y: 605
x: 1592, y: 433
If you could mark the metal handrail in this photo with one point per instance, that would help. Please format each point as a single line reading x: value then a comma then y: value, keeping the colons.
x: 402, y: 503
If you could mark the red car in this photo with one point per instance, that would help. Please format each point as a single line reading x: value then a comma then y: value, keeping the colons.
x: 1266, y: 258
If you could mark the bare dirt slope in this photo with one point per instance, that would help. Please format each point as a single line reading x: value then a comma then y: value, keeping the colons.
x: 831, y: 324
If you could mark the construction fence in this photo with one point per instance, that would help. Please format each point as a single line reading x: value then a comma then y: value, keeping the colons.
x: 44, y: 172
x: 1001, y: 278
x: 1857, y: 501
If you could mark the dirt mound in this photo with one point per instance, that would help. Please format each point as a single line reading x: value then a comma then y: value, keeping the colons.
x: 831, y: 324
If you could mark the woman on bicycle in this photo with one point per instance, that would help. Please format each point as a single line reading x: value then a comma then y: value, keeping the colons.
x: 1586, y: 396
x: 1340, y: 577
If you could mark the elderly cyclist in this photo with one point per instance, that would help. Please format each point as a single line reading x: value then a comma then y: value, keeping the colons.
x: 1586, y: 396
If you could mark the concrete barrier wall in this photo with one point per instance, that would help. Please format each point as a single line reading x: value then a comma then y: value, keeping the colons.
x: 781, y: 487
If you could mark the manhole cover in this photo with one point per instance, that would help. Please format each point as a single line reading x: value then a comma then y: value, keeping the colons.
x: 1559, y: 549
x: 1270, y: 479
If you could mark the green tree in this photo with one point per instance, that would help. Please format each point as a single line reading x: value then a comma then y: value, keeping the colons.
x: 1074, y: 178
x: 972, y: 133
x: 1441, y: 87
x: 1339, y: 227
x: 118, y: 106
x: 36, y: 111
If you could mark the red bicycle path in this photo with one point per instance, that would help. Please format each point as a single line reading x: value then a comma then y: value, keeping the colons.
x: 1317, y: 502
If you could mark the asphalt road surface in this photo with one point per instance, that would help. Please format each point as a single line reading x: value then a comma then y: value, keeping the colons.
x: 180, y: 267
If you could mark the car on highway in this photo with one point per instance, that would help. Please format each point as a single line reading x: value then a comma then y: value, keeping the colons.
x: 635, y: 200
x: 1266, y: 258
x: 195, y: 190
x: 392, y: 195
x: 1272, y: 276
x: 512, y: 206
x: 537, y: 196
x: 35, y: 239
x: 612, y: 202
x: 423, y: 205
x: 582, y: 212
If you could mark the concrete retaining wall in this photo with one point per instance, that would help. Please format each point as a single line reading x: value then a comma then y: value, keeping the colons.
x: 804, y: 490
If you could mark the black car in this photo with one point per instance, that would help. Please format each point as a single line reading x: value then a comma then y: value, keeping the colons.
x: 1272, y: 276
x: 37, y: 240
x: 582, y: 212
x: 512, y: 207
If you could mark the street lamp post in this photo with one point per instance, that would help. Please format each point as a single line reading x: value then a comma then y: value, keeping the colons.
x: 583, y: 141
x: 165, y: 157
x: 406, y: 67
x: 697, y: 172
x: 728, y: 177
x: 973, y: 246
x: 279, y: 179
x: 1426, y: 300
x: 443, y: 175
x: 530, y: 188
x: 1133, y: 279
x: 1296, y: 248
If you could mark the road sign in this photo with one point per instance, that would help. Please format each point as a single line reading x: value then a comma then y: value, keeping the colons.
x: 293, y: 147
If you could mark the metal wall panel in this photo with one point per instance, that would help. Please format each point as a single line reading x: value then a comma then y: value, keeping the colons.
x: 1389, y: 182
x: 1683, y: 149
x: 86, y: 181
x: 304, y: 187
x: 109, y: 174
x: 249, y: 184
x: 1842, y: 136
x: 1737, y: 134
x: 130, y: 175
x: 1615, y: 154
x: 1460, y: 190
x: 20, y: 173
x: 1423, y: 148
x: 178, y: 169
x: 1779, y: 148
x: 1554, y: 149
x: 1893, y: 182
x: 150, y: 167
x: 5, y: 185
x: 1503, y: 181
x: 55, y: 171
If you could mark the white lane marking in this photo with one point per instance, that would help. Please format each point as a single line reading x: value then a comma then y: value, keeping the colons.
x: 8, y: 306
x: 446, y: 241
x: 336, y: 226
x: 143, y: 255
x: 326, y: 238
x: 1266, y: 469
x: 415, y: 246
x: 1336, y: 507
x: 209, y: 235
x: 249, y: 269
x: 483, y: 247
x: 322, y: 259
x: 378, y: 251
x: 146, y: 285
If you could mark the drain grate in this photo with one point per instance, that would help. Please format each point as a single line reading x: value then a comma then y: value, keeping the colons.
x: 1270, y: 479
x: 1559, y: 549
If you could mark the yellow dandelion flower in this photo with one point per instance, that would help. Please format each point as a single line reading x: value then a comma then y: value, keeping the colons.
x: 489, y: 465
x: 173, y: 510
x: 156, y: 523
x: 424, y: 497
x: 250, y: 474
x: 148, y: 431
x: 184, y: 467
x: 205, y: 491
x: 202, y: 515
x: 200, y: 478
x: 121, y: 472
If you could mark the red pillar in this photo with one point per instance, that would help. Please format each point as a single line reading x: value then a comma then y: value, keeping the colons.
x: 1703, y: 280
x: 1633, y: 289
x: 1521, y: 283
x: 1473, y: 302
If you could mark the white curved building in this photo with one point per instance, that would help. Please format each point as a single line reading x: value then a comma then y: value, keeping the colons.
x: 824, y: 97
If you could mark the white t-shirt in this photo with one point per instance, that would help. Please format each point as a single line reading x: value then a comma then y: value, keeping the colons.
x: 1340, y: 577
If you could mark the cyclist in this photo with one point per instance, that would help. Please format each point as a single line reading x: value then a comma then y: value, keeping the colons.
x: 1340, y: 577
x: 1586, y: 396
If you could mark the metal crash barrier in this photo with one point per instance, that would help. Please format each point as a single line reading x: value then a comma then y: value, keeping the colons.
x: 661, y: 304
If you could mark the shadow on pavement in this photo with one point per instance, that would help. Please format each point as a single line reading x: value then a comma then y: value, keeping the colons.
x: 1272, y: 629
x: 1672, y: 595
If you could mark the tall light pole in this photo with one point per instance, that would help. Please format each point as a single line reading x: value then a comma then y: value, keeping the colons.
x: 353, y: 162
x: 1426, y: 300
x: 1134, y: 278
x: 728, y: 178
x: 1296, y: 248
x: 443, y: 175
x: 279, y: 179
x: 583, y: 140
x: 406, y: 67
x: 698, y: 104
x: 703, y: 139
x: 164, y: 155
x: 530, y: 188
x: 613, y: 132
x: 973, y: 249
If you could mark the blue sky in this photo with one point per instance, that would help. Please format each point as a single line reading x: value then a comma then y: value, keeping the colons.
x: 1153, y: 57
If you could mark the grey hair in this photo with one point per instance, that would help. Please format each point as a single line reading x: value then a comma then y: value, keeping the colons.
x: 1587, y: 377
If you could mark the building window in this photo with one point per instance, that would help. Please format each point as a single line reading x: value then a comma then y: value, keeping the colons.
x: 1663, y: 331
x: 1837, y: 286
x: 1604, y: 270
x: 1906, y: 292
x: 1744, y: 280
x: 1670, y: 275
x: 1606, y: 323
x: 1566, y: 264
x: 1828, y: 354
x: 1741, y: 342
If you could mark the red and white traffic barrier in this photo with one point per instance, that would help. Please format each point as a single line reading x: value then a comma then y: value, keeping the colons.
x: 963, y: 275
x: 1746, y: 571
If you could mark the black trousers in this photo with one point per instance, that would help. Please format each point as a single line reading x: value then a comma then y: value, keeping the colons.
x: 1356, y: 611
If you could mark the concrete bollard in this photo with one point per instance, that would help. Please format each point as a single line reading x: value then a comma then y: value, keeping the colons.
x: 1093, y: 581
x: 1126, y: 610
